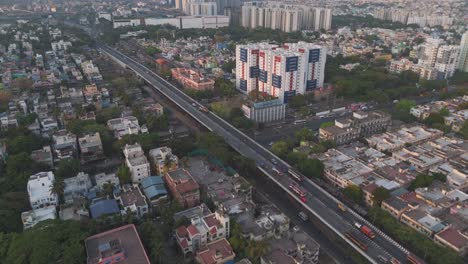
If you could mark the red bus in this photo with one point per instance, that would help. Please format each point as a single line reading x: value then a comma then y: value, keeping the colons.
x: 413, y: 259
x: 295, y: 174
x: 356, y: 241
x: 299, y: 191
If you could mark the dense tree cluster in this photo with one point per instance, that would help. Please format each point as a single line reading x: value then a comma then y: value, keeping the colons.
x: 421, y: 245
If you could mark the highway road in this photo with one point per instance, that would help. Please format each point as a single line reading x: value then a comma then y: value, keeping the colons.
x: 319, y: 203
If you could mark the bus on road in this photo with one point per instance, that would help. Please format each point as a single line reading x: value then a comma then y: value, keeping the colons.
x: 295, y: 174
x: 300, y: 121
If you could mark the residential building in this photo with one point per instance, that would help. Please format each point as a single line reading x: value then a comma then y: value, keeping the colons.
x: 230, y: 194
x: 75, y: 187
x: 201, y: 8
x: 136, y: 162
x: 154, y: 189
x: 342, y: 170
x: 43, y: 156
x: 101, y: 179
x: 295, y: 247
x: 282, y: 72
x: 39, y: 190
x: 91, y: 147
x: 91, y: 72
x: 191, y: 79
x: 362, y: 124
x: 124, y: 126
x: 392, y: 141
x: 64, y: 145
x: 183, y: 187
x: 163, y: 160
x: 395, y: 206
x: 60, y: 45
x: 205, y: 227
x: 286, y: 17
x: 265, y: 112
x: 132, y: 201
x: 120, y: 245
x: 454, y: 239
x: 217, y: 252
x: 33, y: 217
x: 92, y: 95
x: 463, y: 59
x: 102, y: 207
x: 423, y: 222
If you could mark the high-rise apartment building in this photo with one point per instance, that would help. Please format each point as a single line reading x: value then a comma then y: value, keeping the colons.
x: 197, y: 7
x: 435, y: 61
x: 463, y: 58
x: 285, y: 17
x: 281, y: 72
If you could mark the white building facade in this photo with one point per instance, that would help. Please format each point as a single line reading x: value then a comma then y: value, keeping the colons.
x: 282, y: 72
x: 39, y: 190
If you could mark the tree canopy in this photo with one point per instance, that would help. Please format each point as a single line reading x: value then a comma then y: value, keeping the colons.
x: 354, y: 193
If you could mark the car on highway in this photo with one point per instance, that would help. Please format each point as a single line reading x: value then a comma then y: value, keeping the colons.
x: 303, y: 216
x: 274, y: 161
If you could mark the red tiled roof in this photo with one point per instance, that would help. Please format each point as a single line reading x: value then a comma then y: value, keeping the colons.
x: 211, y: 220
x: 214, y: 230
x: 370, y: 188
x: 192, y: 230
x: 184, y: 243
x: 208, y: 254
x: 182, y: 231
x: 453, y: 237
x: 187, y: 186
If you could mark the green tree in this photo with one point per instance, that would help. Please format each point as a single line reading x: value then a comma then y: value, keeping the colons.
x: 108, y: 189
x: 327, y: 124
x: 354, y: 193
x: 464, y: 130
x: 280, y: 148
x: 434, y: 118
x: 421, y: 180
x: 256, y: 249
x: 444, y: 112
x: 51, y: 241
x: 405, y: 105
x: 58, y: 187
x: 228, y: 66
x: 224, y: 87
x: 304, y: 134
x: 123, y: 172
x: 311, y: 168
x: 297, y: 101
x: 380, y: 194
x: 67, y: 168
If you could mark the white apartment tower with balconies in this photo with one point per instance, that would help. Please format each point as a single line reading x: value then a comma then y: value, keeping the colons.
x: 282, y: 72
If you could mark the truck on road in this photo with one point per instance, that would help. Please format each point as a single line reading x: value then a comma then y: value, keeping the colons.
x: 365, y: 230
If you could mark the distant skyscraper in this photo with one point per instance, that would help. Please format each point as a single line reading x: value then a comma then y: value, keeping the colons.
x: 295, y: 68
x: 463, y: 59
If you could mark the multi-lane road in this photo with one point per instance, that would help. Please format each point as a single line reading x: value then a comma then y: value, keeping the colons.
x: 319, y: 203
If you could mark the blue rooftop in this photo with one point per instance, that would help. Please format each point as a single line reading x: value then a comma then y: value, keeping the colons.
x: 104, y: 207
x: 153, y: 187
x: 152, y: 180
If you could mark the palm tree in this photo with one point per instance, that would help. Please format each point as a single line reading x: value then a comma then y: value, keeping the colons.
x: 257, y: 249
x: 108, y: 188
x: 57, y: 188
x: 157, y: 251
